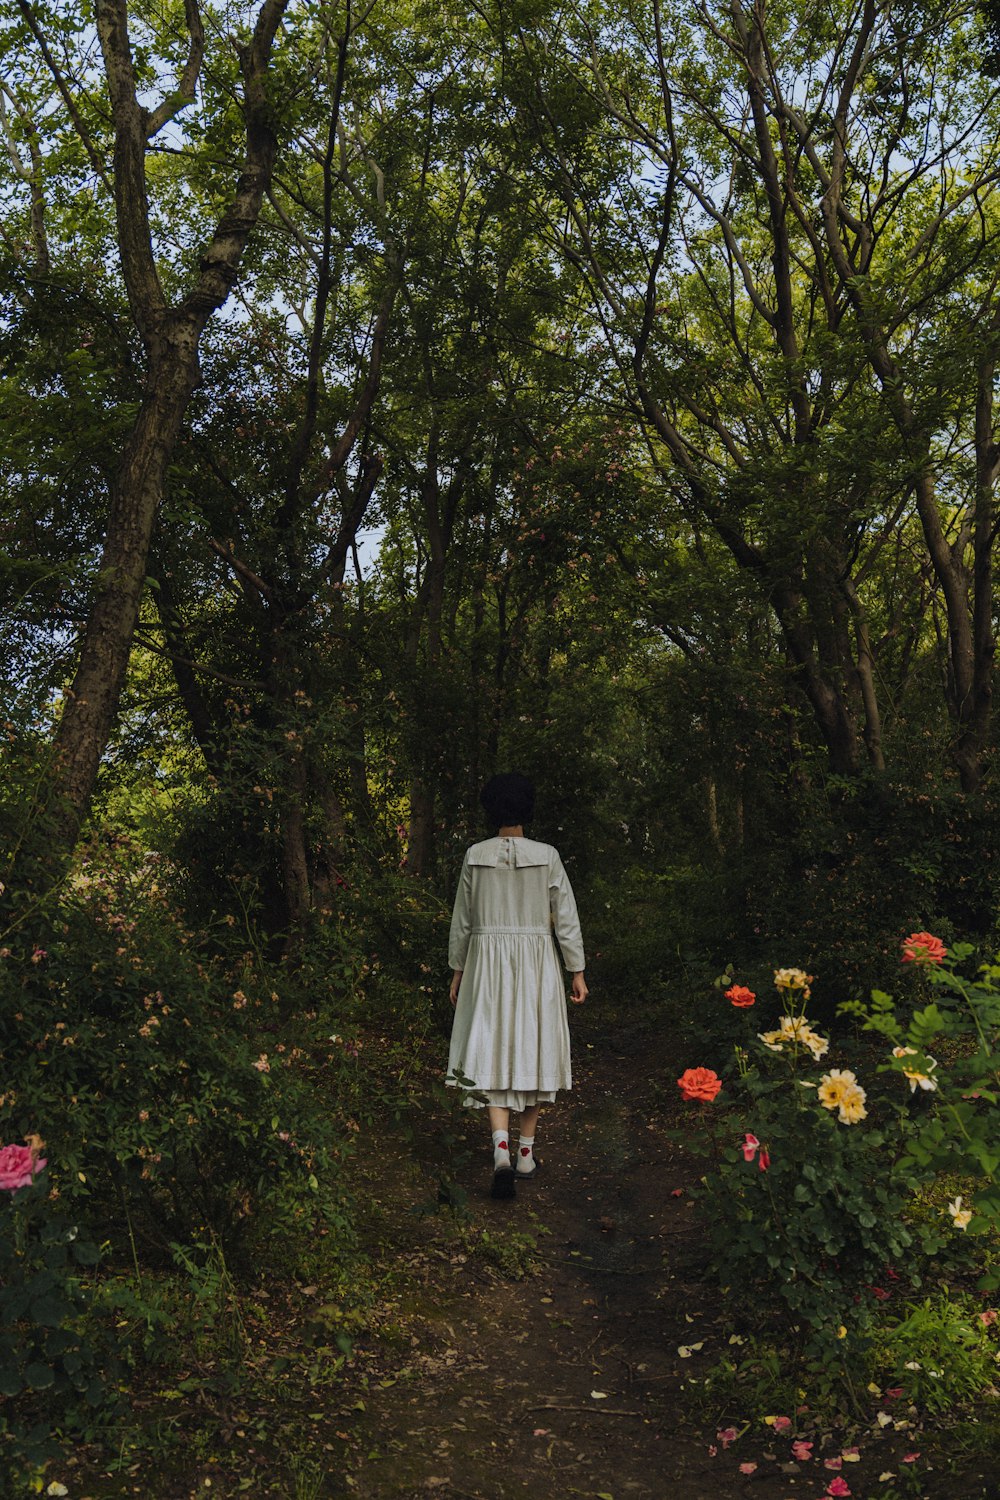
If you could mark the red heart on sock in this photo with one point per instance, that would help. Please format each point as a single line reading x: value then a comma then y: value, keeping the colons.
x: 525, y: 1150
x: 501, y: 1145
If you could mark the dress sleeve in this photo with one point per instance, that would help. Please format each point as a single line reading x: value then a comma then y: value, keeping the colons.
x: 461, y: 919
x: 565, y: 920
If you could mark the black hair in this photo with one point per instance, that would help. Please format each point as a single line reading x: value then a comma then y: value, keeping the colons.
x: 508, y: 799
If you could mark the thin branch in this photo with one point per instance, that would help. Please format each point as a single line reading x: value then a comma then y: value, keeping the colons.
x: 66, y: 93
x: 145, y: 644
x: 188, y: 81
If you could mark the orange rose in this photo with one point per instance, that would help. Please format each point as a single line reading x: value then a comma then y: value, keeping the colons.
x: 740, y: 996
x: 699, y: 1083
x: 923, y: 948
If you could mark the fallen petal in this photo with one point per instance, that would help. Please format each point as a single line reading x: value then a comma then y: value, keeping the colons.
x: 833, y: 1463
x: 748, y: 1468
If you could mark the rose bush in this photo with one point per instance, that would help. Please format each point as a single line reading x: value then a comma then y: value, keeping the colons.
x: 956, y: 1132
x: 56, y: 1371
x: 802, y: 1207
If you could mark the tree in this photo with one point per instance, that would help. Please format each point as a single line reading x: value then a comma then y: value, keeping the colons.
x: 169, y: 323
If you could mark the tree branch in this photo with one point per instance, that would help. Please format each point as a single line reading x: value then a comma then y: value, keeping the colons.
x: 185, y: 91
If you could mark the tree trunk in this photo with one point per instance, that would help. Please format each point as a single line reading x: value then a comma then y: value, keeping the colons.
x: 92, y: 702
x: 170, y: 337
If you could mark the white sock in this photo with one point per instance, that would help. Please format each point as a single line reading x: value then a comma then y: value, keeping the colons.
x: 501, y: 1149
x: 526, y: 1154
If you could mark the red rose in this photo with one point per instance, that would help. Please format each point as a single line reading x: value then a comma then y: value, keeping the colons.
x: 923, y: 948
x: 740, y: 996
x: 699, y: 1083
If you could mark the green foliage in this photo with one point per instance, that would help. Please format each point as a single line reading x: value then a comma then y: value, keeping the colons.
x: 57, y: 1361
x: 512, y: 1252
x: 958, y: 1132
x: 942, y: 1353
x: 168, y: 1099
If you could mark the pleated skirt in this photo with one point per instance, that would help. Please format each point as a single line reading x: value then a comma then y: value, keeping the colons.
x: 510, y: 1034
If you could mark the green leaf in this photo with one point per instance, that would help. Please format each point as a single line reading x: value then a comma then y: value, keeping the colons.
x: 39, y: 1377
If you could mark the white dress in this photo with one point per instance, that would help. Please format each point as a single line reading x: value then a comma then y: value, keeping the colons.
x: 510, y: 1034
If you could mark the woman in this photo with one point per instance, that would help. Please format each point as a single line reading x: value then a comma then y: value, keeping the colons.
x: 510, y: 1035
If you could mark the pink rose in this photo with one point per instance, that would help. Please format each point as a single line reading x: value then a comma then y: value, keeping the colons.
x: 18, y: 1165
x: 749, y: 1147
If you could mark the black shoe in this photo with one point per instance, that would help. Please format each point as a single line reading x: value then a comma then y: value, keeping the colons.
x: 503, y: 1183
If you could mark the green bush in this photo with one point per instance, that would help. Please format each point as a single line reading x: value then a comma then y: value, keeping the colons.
x: 170, y: 1101
x: 56, y: 1363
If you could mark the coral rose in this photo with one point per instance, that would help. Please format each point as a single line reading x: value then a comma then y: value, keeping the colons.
x: 699, y: 1083
x: 740, y: 996
x: 923, y: 948
x: 18, y: 1166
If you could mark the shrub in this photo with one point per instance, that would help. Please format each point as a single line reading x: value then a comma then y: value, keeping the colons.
x: 55, y: 1363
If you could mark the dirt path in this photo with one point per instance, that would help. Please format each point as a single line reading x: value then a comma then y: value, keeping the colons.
x: 569, y: 1383
x: 500, y: 1401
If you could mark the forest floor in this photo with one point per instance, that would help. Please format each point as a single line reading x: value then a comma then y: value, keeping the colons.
x: 535, y: 1347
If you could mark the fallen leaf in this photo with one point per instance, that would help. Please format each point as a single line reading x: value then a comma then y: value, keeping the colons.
x: 884, y: 1478
x: 883, y: 1419
x: 598, y: 1395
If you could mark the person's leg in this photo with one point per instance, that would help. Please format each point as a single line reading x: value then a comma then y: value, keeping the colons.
x: 526, y: 1165
x: 503, y: 1172
x: 500, y: 1126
